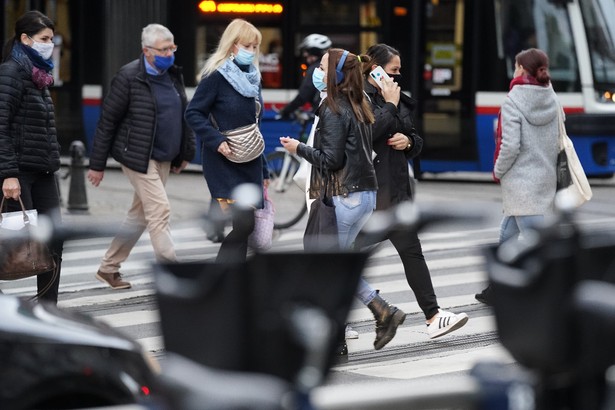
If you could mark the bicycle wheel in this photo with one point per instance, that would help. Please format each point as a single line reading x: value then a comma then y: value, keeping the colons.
x: 287, y: 197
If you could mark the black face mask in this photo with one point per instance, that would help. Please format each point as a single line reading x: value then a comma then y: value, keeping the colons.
x: 395, y: 77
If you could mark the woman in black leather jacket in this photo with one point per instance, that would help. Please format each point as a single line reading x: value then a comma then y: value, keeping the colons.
x: 29, y: 150
x: 343, y: 150
x: 395, y: 143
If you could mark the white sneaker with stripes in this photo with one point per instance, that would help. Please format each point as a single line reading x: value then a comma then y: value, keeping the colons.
x: 350, y: 333
x: 446, y: 322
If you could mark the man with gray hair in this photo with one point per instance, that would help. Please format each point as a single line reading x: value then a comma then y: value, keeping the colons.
x: 142, y: 127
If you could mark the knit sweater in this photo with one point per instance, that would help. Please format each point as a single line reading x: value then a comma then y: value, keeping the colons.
x: 526, y: 164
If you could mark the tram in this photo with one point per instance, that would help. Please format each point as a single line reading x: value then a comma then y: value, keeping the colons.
x: 457, y: 57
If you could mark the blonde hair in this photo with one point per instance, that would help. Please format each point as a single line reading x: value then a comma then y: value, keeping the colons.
x: 238, y: 31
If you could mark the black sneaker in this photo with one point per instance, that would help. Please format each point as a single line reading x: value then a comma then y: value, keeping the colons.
x: 216, y: 237
x: 486, y: 296
x: 341, y: 353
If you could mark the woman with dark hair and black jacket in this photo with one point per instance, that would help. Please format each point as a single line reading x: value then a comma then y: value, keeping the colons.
x: 395, y: 143
x: 343, y: 151
x: 29, y: 149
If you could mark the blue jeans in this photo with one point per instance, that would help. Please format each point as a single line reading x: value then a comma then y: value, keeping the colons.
x: 352, y: 211
x: 513, y: 226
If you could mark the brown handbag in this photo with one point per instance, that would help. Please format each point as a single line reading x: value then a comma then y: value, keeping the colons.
x: 21, y: 256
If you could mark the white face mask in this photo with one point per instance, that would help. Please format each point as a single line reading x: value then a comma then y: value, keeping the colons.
x: 44, y: 49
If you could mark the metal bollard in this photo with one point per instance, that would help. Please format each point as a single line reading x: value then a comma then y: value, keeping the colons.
x: 77, y: 198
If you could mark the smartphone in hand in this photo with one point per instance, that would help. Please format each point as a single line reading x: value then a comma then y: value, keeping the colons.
x: 378, y: 74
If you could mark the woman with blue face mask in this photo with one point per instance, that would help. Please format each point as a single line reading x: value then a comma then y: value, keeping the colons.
x: 229, y: 97
x: 29, y: 149
x: 342, y: 155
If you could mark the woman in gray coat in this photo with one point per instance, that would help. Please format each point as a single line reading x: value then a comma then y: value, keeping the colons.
x: 526, y: 148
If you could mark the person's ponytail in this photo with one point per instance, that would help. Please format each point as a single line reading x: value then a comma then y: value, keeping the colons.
x: 542, y: 75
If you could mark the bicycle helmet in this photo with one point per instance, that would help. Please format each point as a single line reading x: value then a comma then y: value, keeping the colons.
x: 315, y: 44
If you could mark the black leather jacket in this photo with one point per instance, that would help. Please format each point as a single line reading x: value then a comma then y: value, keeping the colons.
x: 343, y: 149
x: 392, y: 165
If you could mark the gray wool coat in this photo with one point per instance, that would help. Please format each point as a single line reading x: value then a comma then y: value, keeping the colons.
x: 526, y: 164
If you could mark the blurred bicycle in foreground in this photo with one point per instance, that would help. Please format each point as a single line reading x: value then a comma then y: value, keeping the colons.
x: 262, y: 334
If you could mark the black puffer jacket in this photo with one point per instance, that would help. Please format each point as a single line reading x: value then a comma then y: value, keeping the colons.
x: 127, y: 125
x: 343, y: 146
x: 392, y: 165
x: 28, y: 140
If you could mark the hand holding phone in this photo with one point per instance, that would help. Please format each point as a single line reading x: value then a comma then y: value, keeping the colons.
x: 378, y: 74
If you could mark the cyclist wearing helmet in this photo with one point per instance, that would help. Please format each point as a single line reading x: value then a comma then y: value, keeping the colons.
x: 312, y: 48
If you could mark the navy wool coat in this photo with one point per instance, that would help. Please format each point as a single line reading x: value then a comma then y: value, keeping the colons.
x: 215, y: 96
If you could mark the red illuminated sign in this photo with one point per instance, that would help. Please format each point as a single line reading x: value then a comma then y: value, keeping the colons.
x: 208, y: 6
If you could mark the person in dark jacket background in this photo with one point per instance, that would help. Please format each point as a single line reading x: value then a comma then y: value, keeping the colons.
x: 142, y: 127
x: 395, y: 143
x: 29, y: 149
x: 230, y: 92
x: 312, y: 49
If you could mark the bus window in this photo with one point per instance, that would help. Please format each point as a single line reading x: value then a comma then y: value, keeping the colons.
x: 443, y: 102
x: 601, y: 43
x: 271, y: 57
x: 547, y: 28
x: 325, y: 12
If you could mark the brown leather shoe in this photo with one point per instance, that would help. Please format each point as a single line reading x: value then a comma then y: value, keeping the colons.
x: 113, y: 279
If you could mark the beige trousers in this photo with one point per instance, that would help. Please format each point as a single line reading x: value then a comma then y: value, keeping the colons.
x: 150, y: 209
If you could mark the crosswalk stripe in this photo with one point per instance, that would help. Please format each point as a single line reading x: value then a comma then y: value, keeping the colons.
x: 112, y: 296
x: 420, y: 367
x: 374, y: 264
x: 80, y: 290
x: 152, y: 344
x: 140, y: 317
x: 388, y: 287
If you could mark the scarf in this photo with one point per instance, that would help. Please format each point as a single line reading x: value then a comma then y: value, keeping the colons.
x: 523, y: 79
x: 245, y: 83
x: 31, y: 59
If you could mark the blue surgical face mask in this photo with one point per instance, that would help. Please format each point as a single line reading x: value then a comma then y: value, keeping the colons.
x: 318, y: 78
x: 244, y: 57
x: 164, y: 62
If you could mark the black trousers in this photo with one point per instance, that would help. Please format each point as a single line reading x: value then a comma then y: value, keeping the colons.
x: 40, y: 191
x: 234, y: 247
x: 417, y: 273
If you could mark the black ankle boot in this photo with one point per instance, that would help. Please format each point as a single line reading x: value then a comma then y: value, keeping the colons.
x: 485, y: 296
x: 216, y: 237
x: 341, y: 353
x: 388, y: 318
